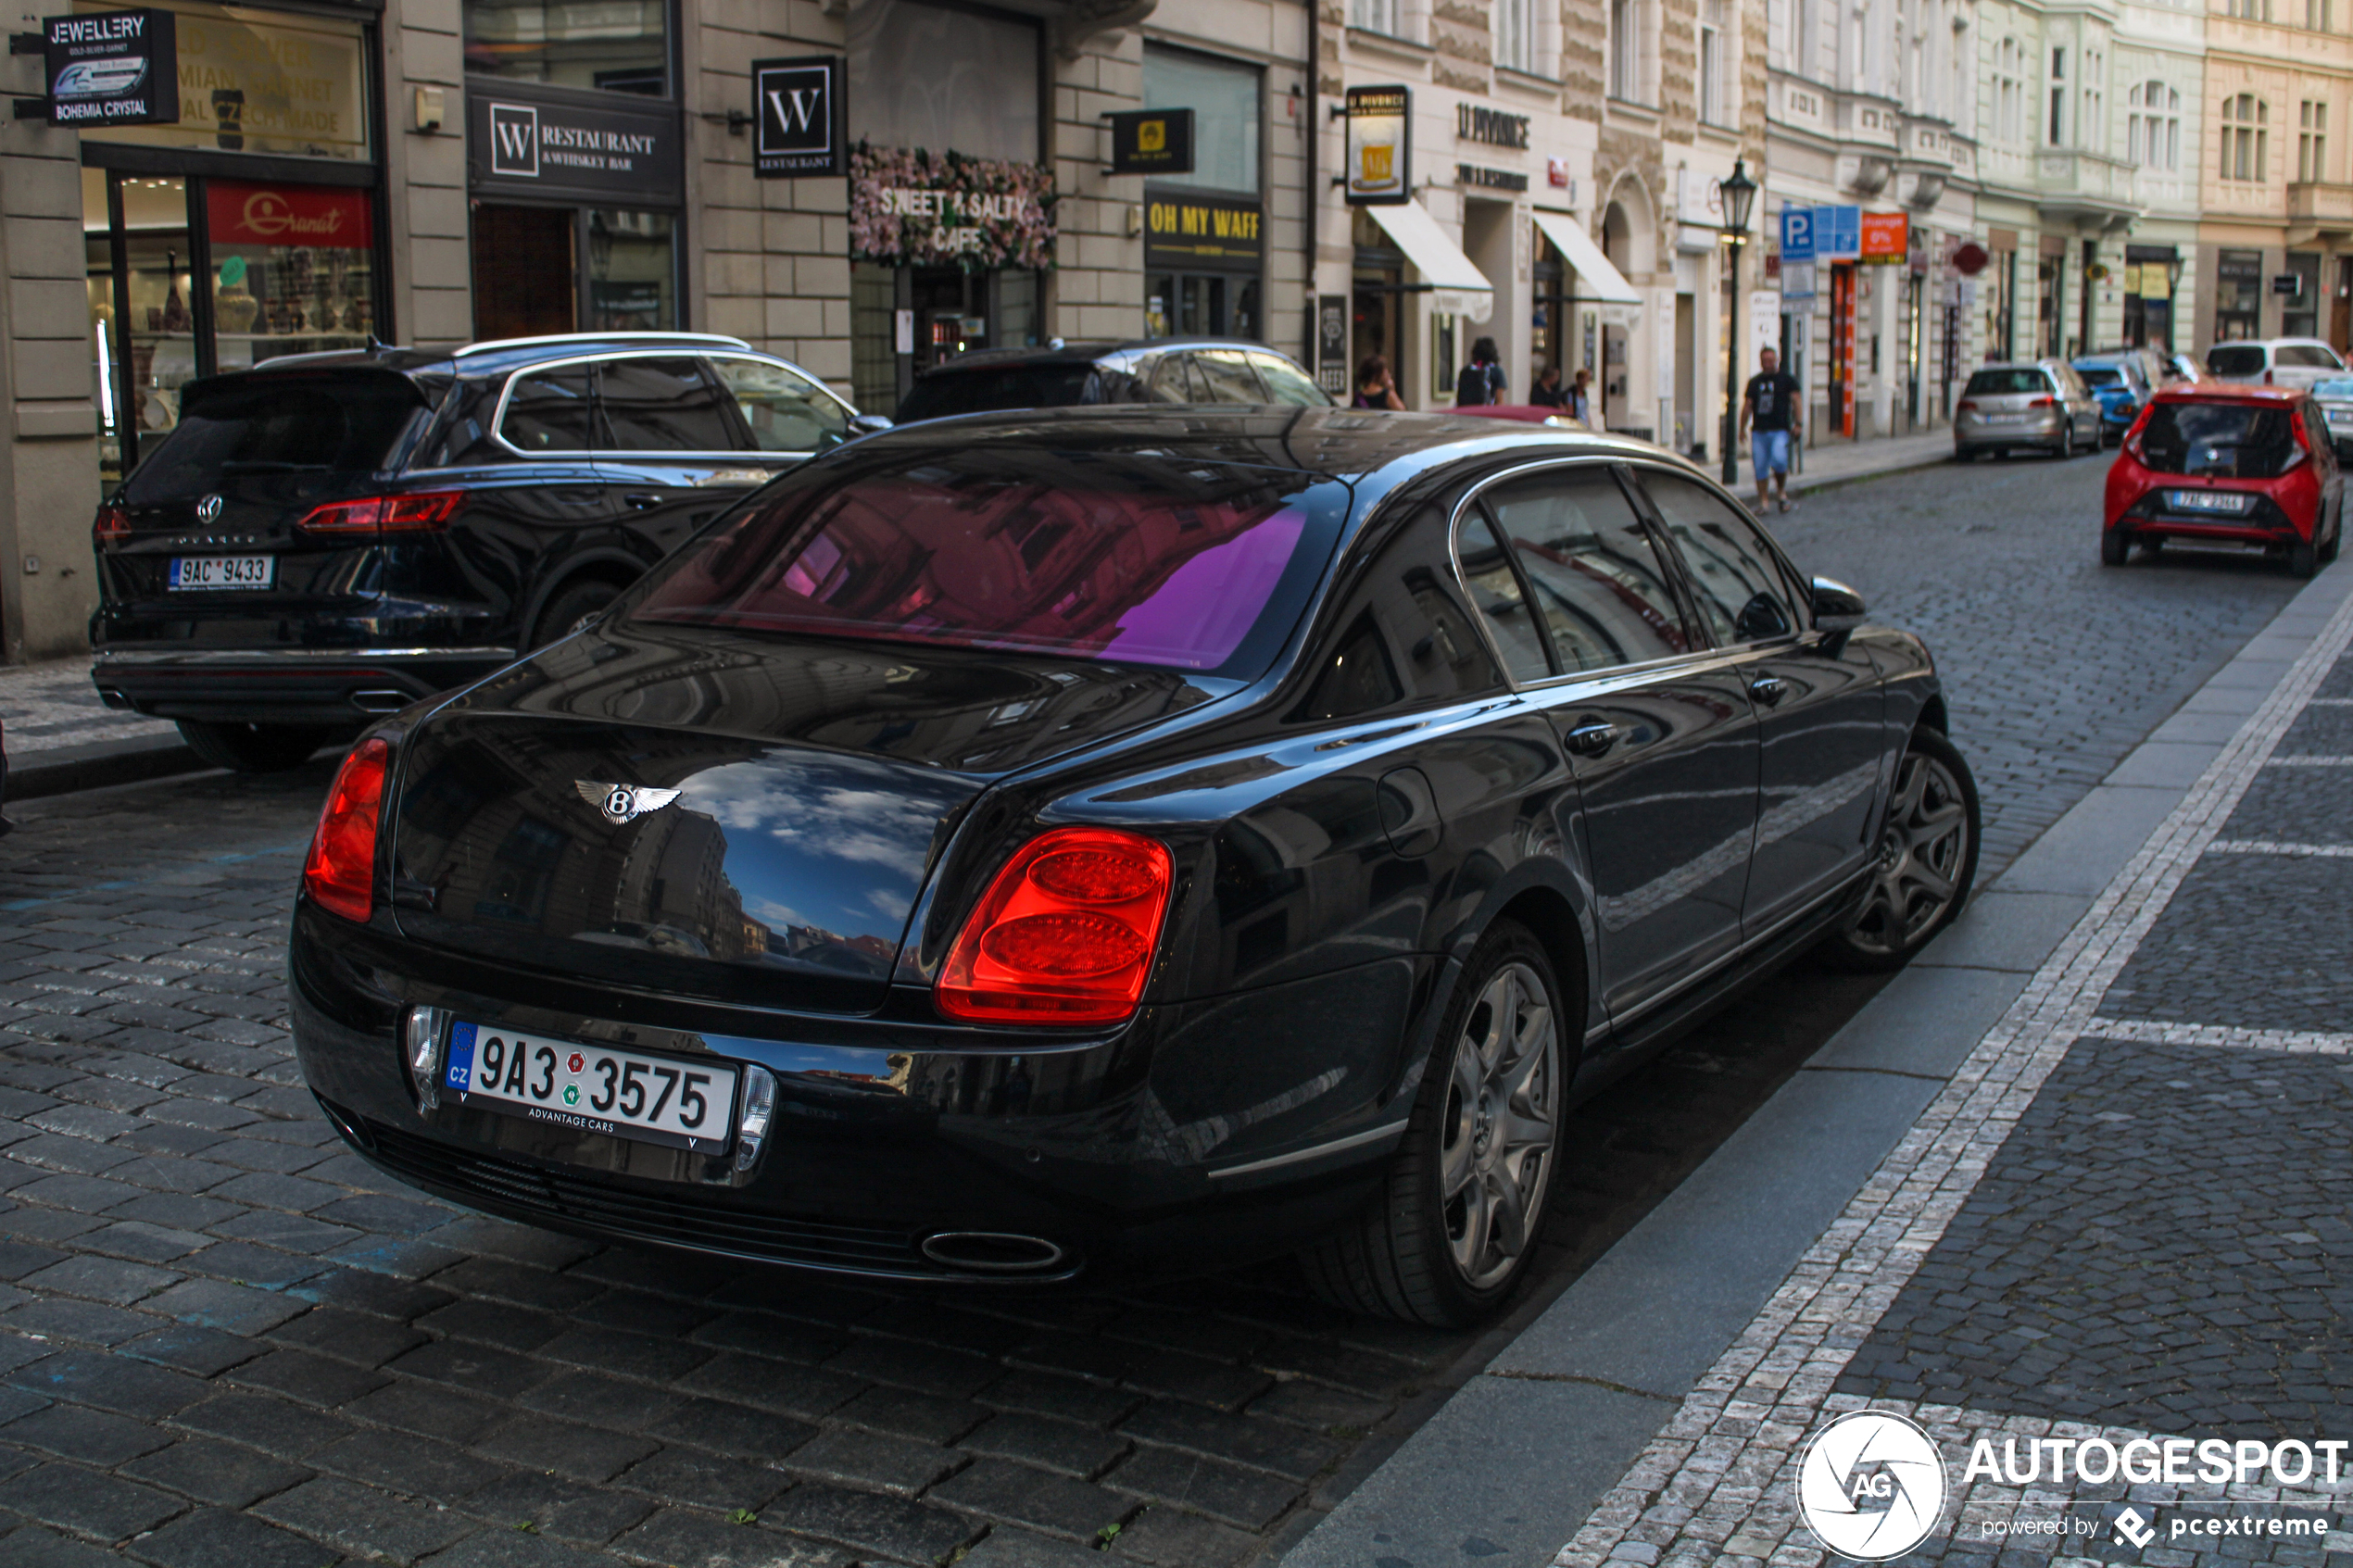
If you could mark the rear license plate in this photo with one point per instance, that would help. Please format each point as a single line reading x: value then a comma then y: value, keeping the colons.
x: 223, y: 571
x: 595, y: 1088
x: 2231, y: 501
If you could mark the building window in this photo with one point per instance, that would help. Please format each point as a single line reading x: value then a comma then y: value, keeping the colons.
x: 2152, y: 128
x: 2058, y: 98
x: 1624, y: 35
x: 1515, y: 35
x: 2316, y: 15
x: 2249, y: 11
x: 1715, y: 73
x: 2311, y: 141
x: 2009, y: 92
x: 622, y: 45
x: 2091, y: 130
x: 2245, y: 137
x: 1374, y: 16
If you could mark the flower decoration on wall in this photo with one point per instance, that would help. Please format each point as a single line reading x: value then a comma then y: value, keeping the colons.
x: 911, y: 208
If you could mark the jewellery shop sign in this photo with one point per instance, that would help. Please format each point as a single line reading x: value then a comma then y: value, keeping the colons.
x: 117, y: 68
x: 918, y: 208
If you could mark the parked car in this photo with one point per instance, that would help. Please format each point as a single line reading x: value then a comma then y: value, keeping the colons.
x: 2277, y: 362
x: 1108, y: 839
x: 2225, y: 464
x: 1526, y: 413
x: 2121, y: 379
x: 332, y: 535
x: 2181, y: 365
x: 2040, y: 403
x: 2335, y: 395
x: 1166, y: 369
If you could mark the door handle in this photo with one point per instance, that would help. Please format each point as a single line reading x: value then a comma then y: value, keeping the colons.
x: 1766, y: 689
x: 641, y: 499
x: 1593, y: 737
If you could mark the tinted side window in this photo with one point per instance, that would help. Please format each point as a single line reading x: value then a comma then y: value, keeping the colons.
x: 1229, y: 377
x: 662, y: 406
x: 1735, y: 580
x: 787, y: 412
x: 548, y: 410
x: 1404, y: 633
x: 1597, y: 580
x: 1494, y: 592
x: 1286, y: 385
x: 2310, y: 357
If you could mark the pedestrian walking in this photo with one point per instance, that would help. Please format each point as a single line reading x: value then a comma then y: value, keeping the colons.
x: 1548, y: 393
x: 1580, y: 396
x: 1481, y: 382
x: 1770, y: 420
x: 1377, y: 385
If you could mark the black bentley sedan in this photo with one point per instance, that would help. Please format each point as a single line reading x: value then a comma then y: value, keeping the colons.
x: 1114, y: 839
x: 1161, y: 370
x: 331, y: 536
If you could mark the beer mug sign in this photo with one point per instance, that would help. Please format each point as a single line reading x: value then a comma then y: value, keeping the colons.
x: 1379, y: 146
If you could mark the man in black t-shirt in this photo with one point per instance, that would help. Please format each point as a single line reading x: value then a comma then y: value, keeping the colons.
x: 1770, y: 420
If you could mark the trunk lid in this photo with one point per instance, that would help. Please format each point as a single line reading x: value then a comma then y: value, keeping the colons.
x: 813, y: 787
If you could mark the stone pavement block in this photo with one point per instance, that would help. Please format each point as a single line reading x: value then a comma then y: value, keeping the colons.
x: 403, y: 1462
x: 178, y: 1211
x: 110, y: 1382
x: 1313, y: 1405
x: 256, y: 1420
x: 2173, y: 764
x: 558, y: 1507
x: 904, y: 1532
x: 477, y: 1368
x: 901, y: 1413
x: 30, y: 1546
x: 732, y: 1428
x: 86, y: 1502
x: 2004, y: 931
x: 312, y: 1380
x: 141, y: 1242
x: 1261, y: 1445
x: 1014, y: 1493
x: 242, y: 1262
x: 1008, y: 1548
x: 687, y: 1539
x: 606, y: 1402
x: 494, y: 1322
x: 212, y: 1537
x: 92, y: 1437
x: 362, y: 1290
x: 2084, y: 849
x: 483, y: 1237
x: 269, y: 1190
x: 430, y: 1410
x: 625, y: 1355
x: 100, y: 1279
x: 224, y: 1304
x: 1251, y: 1499
x: 564, y: 1448
x: 869, y: 1458
x: 19, y: 1259
x: 1167, y: 1538
x: 636, y: 1311
x: 499, y: 1280
x: 1925, y: 1021
x: 1080, y: 1452
x: 225, y: 1473
x: 805, y: 1392
x: 192, y: 1348
x: 926, y: 1368
x: 514, y: 1548
x: 763, y: 1333
x: 350, y: 1336
x: 364, y: 1521
x: 1143, y: 1368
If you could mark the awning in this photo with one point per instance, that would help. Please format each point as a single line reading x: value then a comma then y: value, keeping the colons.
x: 1458, y: 288
x: 1597, y: 281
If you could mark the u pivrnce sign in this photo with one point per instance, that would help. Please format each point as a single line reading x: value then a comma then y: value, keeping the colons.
x: 1381, y: 146
x: 552, y: 143
x: 115, y: 68
x: 798, y: 118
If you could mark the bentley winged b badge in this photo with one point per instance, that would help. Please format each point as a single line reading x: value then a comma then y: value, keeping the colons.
x: 623, y: 803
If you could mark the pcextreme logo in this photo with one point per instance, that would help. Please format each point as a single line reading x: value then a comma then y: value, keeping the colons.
x: 1871, y: 1485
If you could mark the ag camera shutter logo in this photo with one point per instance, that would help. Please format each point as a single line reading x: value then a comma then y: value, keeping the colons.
x: 1871, y: 1485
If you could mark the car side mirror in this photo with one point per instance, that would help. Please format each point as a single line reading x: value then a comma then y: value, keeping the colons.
x: 1837, y: 608
x: 867, y: 424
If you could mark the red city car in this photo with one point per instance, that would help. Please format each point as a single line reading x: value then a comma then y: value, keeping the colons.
x: 2228, y: 464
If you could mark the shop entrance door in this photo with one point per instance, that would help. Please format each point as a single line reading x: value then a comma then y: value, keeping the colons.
x: 523, y: 271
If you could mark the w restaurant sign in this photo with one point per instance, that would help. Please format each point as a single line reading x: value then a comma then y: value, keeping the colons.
x: 529, y: 139
x: 798, y: 118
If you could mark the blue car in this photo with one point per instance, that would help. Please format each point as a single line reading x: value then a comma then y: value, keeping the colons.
x: 2122, y: 381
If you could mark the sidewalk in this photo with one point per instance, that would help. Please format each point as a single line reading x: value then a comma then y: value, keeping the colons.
x: 61, y: 737
x: 1842, y: 460
x: 2074, y: 1171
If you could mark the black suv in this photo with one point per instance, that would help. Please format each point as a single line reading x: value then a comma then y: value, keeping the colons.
x: 1162, y: 369
x: 332, y: 535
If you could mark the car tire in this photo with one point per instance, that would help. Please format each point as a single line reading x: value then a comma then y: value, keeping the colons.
x: 2151, y: 545
x: 2115, y: 546
x: 2303, y: 560
x: 1926, y: 864
x: 1453, y: 1226
x: 253, y: 748
x: 573, y: 604
x: 2337, y: 540
x: 1964, y: 454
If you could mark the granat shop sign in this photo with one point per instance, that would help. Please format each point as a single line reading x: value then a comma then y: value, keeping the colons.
x: 321, y: 218
x: 911, y: 208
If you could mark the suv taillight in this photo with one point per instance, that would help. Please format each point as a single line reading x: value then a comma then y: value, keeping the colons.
x: 2044, y: 403
x: 1065, y: 935
x: 420, y: 511
x: 340, y: 874
x: 113, y: 528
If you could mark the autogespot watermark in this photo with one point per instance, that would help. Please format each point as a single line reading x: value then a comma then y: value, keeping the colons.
x: 1873, y: 1486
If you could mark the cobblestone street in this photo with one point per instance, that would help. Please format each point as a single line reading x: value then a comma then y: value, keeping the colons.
x: 224, y: 1339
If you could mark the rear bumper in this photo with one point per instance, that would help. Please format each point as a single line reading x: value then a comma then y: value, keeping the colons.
x: 322, y: 686
x: 2267, y: 524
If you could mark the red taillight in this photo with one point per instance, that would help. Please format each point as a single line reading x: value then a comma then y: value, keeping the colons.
x: 2132, y: 436
x: 340, y: 875
x: 2267, y: 377
x: 1966, y: 406
x: 113, y: 528
x: 2044, y: 403
x: 421, y: 511
x: 1064, y: 934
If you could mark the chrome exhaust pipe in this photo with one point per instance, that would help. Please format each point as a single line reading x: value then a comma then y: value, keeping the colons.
x: 993, y: 1252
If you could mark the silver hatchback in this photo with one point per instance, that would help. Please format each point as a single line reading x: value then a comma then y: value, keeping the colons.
x: 2039, y: 403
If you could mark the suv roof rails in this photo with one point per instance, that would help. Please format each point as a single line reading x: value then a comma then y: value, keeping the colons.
x: 500, y: 344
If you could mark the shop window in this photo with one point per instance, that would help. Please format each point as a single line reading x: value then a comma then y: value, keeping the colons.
x: 633, y: 272
x: 262, y: 81
x: 618, y: 271
x: 935, y: 77
x: 1224, y: 96
x: 620, y: 46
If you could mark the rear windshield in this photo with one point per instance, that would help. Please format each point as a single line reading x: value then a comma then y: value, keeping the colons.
x: 1014, y: 386
x: 2002, y: 383
x: 1128, y: 559
x: 276, y: 424
x: 2100, y: 375
x: 2227, y: 440
x: 2243, y: 359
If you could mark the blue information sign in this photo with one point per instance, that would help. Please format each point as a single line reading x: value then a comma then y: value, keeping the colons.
x: 1838, y: 233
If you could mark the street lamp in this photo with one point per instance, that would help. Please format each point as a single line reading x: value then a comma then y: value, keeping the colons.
x: 1740, y: 193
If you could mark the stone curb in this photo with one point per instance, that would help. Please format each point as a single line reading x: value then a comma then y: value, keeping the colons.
x: 97, y: 764
x: 1508, y: 1469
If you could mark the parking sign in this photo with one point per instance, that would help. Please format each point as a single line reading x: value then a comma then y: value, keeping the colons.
x: 1797, y: 234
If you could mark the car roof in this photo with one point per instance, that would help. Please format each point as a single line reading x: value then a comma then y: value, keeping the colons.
x: 499, y: 356
x: 2230, y: 392
x: 1089, y: 353
x: 2016, y: 365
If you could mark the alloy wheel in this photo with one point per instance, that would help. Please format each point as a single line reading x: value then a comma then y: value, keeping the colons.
x: 1496, y: 1131
x: 1922, y: 852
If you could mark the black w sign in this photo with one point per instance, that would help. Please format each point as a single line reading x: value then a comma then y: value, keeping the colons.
x: 798, y: 117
